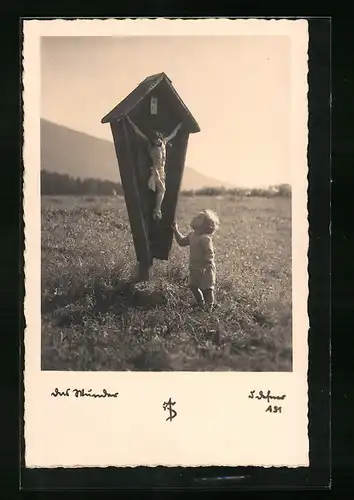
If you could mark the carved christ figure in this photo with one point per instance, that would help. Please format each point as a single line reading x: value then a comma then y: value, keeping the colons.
x: 157, y: 152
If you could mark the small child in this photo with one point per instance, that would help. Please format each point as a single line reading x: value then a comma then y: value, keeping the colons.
x: 202, y: 272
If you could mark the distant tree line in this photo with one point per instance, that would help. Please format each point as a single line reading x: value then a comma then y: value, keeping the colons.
x: 63, y: 184
x: 283, y: 190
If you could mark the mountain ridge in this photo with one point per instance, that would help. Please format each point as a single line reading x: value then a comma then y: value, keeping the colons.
x: 78, y: 154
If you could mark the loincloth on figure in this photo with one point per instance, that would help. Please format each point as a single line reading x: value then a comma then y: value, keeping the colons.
x: 203, y: 278
x: 157, y: 178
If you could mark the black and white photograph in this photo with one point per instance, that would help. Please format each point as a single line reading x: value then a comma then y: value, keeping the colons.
x: 169, y: 233
x: 166, y: 203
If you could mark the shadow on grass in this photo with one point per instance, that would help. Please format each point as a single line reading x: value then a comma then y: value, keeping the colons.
x: 75, y: 306
x: 98, y: 295
x: 151, y: 361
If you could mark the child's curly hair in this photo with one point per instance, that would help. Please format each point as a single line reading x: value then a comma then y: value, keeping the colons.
x: 207, y: 222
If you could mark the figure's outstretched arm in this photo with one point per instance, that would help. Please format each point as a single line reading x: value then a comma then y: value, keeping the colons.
x: 172, y: 135
x: 137, y: 130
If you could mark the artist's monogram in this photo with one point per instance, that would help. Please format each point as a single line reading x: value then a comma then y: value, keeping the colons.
x: 168, y: 406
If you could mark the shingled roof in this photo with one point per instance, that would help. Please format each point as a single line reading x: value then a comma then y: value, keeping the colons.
x: 140, y: 92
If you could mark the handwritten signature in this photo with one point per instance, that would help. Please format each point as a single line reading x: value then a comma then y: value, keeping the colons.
x: 268, y: 396
x: 82, y: 393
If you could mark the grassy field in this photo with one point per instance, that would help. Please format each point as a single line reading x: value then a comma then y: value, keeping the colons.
x: 93, y: 318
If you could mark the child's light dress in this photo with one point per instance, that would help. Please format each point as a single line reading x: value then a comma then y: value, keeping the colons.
x: 202, y: 272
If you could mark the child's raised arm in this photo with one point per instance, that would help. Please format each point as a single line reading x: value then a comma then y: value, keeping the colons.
x: 183, y: 241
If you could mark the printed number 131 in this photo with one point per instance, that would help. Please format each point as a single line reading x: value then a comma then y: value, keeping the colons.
x: 273, y: 409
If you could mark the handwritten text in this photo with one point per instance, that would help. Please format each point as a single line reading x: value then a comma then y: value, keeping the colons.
x: 82, y: 393
x: 268, y: 396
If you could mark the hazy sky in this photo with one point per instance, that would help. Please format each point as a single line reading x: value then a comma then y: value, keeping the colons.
x: 238, y: 89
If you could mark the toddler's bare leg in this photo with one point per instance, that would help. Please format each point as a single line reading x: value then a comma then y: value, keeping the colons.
x: 197, y: 295
x: 209, y: 297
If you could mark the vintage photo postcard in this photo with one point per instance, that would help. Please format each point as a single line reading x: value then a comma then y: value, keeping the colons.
x: 166, y: 238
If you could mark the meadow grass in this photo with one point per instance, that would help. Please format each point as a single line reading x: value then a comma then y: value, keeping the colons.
x: 94, y: 318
